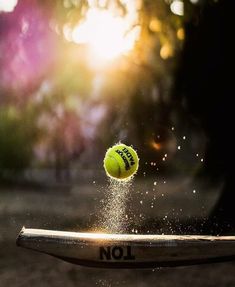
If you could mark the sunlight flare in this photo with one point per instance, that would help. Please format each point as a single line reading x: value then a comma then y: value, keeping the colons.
x: 107, y: 36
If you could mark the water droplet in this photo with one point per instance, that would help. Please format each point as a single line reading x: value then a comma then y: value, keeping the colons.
x: 184, y: 137
x: 202, y: 159
x: 194, y: 191
x: 155, y: 183
x: 179, y: 147
x: 141, y: 201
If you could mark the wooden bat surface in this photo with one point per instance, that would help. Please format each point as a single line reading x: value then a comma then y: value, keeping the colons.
x: 129, y: 250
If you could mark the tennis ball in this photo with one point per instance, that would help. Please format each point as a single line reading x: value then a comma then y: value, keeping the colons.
x: 121, y: 161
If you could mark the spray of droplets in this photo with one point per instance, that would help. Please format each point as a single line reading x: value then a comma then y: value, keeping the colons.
x: 113, y: 211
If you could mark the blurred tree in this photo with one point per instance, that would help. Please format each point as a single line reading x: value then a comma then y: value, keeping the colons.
x: 138, y: 92
x: 18, y: 134
x: 128, y: 98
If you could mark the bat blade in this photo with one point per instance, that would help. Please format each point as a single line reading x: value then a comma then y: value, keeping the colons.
x: 128, y: 250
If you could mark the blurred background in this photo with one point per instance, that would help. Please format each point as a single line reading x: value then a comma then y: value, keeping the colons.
x: 76, y: 77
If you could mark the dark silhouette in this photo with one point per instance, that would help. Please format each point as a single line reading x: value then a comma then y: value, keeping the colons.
x: 205, y: 81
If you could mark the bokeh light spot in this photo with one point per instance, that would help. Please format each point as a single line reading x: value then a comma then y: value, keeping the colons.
x: 177, y: 7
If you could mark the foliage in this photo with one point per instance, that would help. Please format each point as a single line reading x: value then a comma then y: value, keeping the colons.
x: 18, y: 135
x: 73, y: 103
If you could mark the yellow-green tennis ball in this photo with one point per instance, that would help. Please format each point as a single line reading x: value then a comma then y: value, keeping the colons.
x: 121, y: 161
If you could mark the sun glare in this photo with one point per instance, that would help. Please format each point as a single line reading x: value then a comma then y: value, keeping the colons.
x: 106, y: 35
x: 7, y: 5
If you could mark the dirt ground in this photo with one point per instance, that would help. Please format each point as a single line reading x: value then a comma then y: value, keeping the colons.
x: 76, y: 208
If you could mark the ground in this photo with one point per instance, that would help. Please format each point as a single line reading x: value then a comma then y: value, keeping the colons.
x: 75, y: 208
